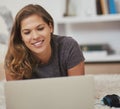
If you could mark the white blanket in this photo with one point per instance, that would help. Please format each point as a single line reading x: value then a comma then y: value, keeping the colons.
x: 104, y: 85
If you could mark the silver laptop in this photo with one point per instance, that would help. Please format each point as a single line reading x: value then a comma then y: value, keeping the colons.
x: 75, y: 92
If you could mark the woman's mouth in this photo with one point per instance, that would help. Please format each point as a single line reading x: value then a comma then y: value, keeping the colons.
x: 38, y: 44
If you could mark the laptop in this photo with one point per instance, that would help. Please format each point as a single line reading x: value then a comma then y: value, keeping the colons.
x: 72, y: 92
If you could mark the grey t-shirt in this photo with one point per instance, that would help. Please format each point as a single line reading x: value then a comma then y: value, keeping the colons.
x: 66, y: 53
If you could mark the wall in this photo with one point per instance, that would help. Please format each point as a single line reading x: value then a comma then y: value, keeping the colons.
x: 54, y: 7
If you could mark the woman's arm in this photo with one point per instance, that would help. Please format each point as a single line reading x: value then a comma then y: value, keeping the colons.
x: 8, y: 77
x: 77, y: 70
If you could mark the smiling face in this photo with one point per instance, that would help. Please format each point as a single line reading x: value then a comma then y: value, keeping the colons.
x: 36, y: 34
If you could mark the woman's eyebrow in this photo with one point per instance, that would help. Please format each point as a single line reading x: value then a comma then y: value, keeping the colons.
x: 40, y: 25
x: 25, y: 30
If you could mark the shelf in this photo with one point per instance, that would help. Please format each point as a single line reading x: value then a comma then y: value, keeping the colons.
x: 105, y: 58
x: 100, y: 18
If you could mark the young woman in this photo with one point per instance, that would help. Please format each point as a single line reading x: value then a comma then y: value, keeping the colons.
x: 35, y: 52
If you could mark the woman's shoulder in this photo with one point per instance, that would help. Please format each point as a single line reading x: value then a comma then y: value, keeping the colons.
x: 64, y: 39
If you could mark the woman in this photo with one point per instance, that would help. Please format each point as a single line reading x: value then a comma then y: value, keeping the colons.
x: 35, y: 52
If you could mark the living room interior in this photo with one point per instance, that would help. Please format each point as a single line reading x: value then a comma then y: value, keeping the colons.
x: 98, y: 34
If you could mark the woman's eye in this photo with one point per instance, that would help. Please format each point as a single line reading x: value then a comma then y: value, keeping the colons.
x: 26, y: 33
x: 40, y: 28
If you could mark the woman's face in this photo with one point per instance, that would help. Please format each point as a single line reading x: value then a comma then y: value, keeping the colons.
x: 36, y: 34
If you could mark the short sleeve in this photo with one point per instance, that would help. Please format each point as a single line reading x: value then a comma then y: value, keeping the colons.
x: 74, y: 55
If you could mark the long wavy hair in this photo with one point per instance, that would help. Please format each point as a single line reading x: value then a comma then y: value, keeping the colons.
x: 19, y: 60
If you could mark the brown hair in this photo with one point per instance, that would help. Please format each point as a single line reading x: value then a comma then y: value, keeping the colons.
x: 19, y: 60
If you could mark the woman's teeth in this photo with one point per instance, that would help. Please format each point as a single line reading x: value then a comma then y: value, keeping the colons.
x: 37, y: 44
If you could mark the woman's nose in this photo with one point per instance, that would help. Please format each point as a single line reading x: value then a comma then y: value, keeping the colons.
x: 35, y: 34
